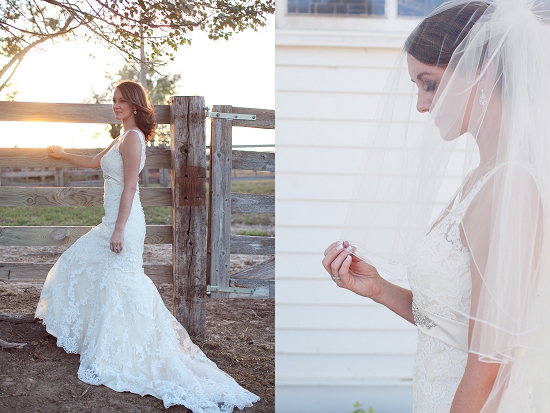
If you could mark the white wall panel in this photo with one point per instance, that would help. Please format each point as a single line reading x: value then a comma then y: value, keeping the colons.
x: 373, y: 342
x: 337, y: 317
x: 321, y: 369
x: 329, y: 340
x: 331, y: 79
x: 335, y: 105
x: 313, y: 187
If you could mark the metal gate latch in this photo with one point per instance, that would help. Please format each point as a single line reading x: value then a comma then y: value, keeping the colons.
x: 216, y: 289
x: 221, y: 115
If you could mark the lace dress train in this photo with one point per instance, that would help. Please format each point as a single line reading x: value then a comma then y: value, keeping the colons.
x: 102, y: 306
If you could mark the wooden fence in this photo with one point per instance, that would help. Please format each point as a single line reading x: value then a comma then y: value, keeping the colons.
x: 260, y: 279
x: 26, y: 176
x: 186, y: 160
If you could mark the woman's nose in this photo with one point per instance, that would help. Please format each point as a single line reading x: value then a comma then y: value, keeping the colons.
x: 423, y: 103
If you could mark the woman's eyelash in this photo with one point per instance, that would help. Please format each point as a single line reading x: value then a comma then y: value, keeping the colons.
x: 430, y: 86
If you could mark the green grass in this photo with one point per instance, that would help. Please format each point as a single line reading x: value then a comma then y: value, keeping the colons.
x: 266, y: 187
x: 90, y: 216
x: 254, y: 233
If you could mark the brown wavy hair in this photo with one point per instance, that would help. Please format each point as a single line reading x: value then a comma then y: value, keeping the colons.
x: 436, y: 38
x: 136, y: 94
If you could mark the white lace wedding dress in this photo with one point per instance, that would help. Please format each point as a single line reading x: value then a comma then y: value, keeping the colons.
x: 102, y: 306
x: 439, y: 276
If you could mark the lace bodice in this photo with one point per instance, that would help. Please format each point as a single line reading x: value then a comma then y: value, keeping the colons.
x: 439, y: 276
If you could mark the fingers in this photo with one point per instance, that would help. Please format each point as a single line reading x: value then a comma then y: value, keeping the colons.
x: 330, y: 254
x: 116, y: 247
x: 332, y: 246
x: 337, y: 263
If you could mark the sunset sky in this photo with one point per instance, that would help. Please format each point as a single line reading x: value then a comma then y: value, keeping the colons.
x: 238, y: 72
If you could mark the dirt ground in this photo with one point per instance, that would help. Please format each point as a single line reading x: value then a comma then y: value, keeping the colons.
x: 41, y: 377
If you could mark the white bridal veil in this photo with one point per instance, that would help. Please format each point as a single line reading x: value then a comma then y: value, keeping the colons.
x: 490, y: 114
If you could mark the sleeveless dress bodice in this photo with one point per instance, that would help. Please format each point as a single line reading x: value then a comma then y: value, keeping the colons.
x: 101, y: 305
x: 440, y: 280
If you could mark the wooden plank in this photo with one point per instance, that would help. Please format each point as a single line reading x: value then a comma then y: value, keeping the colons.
x: 188, y: 144
x: 262, y: 271
x: 67, y: 112
x: 38, y: 157
x: 17, y: 318
x: 244, y: 244
x: 75, y: 196
x: 33, y: 272
x: 260, y: 204
x: 255, y: 161
x: 262, y: 288
x: 53, y: 236
x: 219, y: 217
x: 265, y: 118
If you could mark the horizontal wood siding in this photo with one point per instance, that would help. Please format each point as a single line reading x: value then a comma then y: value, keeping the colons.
x: 328, y: 337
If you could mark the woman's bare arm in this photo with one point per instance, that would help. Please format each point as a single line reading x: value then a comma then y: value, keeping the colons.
x: 130, y: 150
x: 84, y: 161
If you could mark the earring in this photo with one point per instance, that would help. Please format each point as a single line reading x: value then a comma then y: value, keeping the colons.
x: 483, y: 99
x: 135, y: 111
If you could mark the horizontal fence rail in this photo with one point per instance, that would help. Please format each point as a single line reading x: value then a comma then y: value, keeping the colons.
x: 38, y: 157
x: 74, y: 196
x: 32, y: 272
x: 68, y: 112
x: 43, y: 236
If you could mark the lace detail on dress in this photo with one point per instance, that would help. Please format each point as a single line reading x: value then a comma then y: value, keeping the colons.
x: 438, y: 370
x: 102, y: 306
x: 439, y: 276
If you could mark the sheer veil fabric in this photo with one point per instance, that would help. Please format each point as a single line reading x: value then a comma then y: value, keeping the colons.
x: 490, y: 115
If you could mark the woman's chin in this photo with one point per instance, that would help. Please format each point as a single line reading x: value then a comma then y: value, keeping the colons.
x: 448, y: 134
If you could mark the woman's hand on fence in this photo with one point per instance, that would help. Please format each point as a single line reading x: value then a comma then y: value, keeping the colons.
x: 350, y: 272
x: 56, y: 151
x: 117, y: 241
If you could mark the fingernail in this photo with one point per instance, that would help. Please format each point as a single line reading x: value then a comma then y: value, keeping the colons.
x: 348, y: 248
x: 348, y: 258
x: 339, y: 247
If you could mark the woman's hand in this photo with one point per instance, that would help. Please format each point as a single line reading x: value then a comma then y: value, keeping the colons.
x: 117, y: 241
x: 56, y: 152
x: 349, y: 272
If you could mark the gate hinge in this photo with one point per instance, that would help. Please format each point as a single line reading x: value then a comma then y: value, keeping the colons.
x: 221, y: 115
x: 216, y: 289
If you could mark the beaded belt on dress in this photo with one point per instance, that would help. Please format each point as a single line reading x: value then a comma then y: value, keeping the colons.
x: 451, y: 332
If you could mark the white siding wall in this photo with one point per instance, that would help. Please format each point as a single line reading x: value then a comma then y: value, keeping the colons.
x: 333, y: 348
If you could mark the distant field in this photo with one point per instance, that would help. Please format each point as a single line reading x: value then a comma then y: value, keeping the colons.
x: 90, y: 216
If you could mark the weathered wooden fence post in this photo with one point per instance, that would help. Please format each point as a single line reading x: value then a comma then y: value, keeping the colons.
x: 219, y: 210
x: 188, y: 144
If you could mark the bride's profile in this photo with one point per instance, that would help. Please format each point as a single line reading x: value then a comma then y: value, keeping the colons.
x: 460, y: 165
x: 98, y: 302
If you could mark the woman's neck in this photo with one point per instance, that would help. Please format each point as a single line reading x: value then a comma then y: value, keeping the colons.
x: 129, y: 124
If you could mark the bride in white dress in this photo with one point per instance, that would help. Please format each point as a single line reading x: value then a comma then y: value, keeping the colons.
x: 99, y: 303
x: 478, y: 268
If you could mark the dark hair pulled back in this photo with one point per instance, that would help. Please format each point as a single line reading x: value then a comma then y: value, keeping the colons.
x: 436, y: 38
x: 136, y: 94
